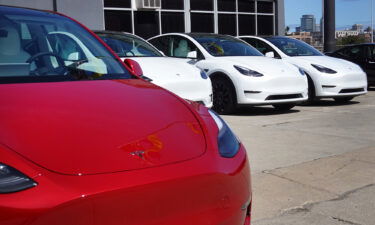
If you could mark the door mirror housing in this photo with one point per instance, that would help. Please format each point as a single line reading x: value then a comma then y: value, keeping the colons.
x: 192, y: 55
x: 133, y: 67
x: 270, y: 54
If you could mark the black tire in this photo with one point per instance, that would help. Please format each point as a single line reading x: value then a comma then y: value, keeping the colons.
x: 343, y: 99
x: 224, y: 101
x: 283, y: 107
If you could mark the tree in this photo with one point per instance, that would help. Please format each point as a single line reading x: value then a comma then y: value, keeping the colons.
x: 368, y: 29
x: 349, y: 40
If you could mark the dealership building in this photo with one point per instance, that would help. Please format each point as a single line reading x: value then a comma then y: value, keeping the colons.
x: 148, y: 18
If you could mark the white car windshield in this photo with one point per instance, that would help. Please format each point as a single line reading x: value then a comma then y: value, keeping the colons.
x: 293, y: 47
x: 127, y: 45
x: 221, y: 45
x: 38, y: 46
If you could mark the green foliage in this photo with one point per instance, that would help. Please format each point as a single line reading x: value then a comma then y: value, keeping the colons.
x: 349, y: 40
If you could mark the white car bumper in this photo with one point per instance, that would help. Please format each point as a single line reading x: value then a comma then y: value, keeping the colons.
x: 336, y: 85
x: 272, y: 90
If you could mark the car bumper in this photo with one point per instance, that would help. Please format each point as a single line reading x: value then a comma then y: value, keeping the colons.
x: 206, y: 190
x: 336, y: 85
x: 275, y: 90
x: 193, y: 90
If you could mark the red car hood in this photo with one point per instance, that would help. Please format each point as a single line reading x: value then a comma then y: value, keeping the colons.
x: 91, y: 127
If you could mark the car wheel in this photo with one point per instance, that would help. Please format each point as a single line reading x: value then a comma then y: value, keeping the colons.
x: 343, y: 99
x: 224, y: 101
x: 283, y: 107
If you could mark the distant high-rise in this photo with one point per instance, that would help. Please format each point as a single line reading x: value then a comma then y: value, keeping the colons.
x: 358, y: 27
x: 308, y: 23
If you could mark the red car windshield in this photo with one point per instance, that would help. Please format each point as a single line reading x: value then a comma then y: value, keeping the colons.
x: 39, y: 46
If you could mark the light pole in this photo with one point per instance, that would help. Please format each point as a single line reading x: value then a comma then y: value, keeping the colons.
x: 372, y: 21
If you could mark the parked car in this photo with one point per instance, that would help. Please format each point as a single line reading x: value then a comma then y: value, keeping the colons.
x: 177, y: 76
x: 240, y: 74
x: 83, y: 141
x: 361, y: 54
x: 328, y: 77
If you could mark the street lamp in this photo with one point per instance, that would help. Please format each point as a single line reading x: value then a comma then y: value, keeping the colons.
x: 372, y: 21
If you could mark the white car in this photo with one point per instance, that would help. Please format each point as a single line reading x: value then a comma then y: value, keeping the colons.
x: 328, y: 77
x: 175, y: 75
x: 240, y: 74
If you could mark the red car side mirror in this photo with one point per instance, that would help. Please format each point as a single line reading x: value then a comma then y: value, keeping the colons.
x: 133, y: 67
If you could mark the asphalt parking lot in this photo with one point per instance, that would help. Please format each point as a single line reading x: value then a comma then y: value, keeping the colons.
x: 311, y: 165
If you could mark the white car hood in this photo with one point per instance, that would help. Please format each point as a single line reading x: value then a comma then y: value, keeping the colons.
x: 165, y: 68
x: 264, y: 65
x: 326, y: 61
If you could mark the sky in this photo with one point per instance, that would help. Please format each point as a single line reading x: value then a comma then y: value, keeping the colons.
x: 348, y: 12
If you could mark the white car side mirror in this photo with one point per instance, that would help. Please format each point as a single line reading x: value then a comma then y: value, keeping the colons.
x: 270, y: 54
x: 192, y: 54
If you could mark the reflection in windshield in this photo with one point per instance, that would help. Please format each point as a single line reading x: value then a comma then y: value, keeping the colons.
x: 40, y: 47
x: 219, y: 45
x: 126, y: 45
x: 293, y: 47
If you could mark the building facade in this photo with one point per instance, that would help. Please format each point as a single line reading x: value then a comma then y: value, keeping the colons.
x: 308, y: 23
x: 148, y: 18
x: 346, y: 33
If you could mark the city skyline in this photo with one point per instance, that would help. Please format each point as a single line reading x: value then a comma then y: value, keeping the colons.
x: 348, y: 12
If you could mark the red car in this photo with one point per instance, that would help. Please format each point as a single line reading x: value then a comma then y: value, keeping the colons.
x: 83, y: 141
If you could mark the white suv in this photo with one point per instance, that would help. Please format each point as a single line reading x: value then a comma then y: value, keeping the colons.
x: 328, y: 77
x: 240, y: 74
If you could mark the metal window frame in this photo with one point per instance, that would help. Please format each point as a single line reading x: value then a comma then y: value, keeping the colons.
x: 187, y: 15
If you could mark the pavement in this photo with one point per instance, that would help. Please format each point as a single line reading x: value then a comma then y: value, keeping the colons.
x: 313, y: 164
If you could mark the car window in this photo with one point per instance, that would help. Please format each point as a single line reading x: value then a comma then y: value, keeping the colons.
x: 181, y: 47
x: 294, y: 47
x: 261, y: 46
x: 219, y: 45
x: 126, y: 45
x: 355, y: 52
x: 37, y: 46
x: 161, y: 43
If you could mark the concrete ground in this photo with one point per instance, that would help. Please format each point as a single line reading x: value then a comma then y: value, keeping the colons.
x: 313, y: 165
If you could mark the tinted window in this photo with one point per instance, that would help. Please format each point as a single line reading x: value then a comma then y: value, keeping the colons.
x: 172, y: 22
x: 180, y: 47
x: 246, y: 6
x: 226, y: 5
x: 355, y: 52
x: 129, y: 45
x: 117, y: 3
x: 246, y: 24
x: 261, y: 46
x: 146, y: 23
x: 227, y: 24
x: 118, y: 20
x: 37, y: 47
x: 202, y: 22
x: 172, y: 4
x: 225, y: 46
x: 206, y: 5
x: 161, y: 43
x: 293, y: 47
x: 265, y: 25
x: 265, y: 7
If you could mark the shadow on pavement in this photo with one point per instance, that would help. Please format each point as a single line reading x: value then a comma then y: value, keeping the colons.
x: 261, y: 111
x: 330, y: 103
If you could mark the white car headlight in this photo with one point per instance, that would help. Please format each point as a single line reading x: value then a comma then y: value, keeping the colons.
x: 247, y: 71
x: 323, y: 69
